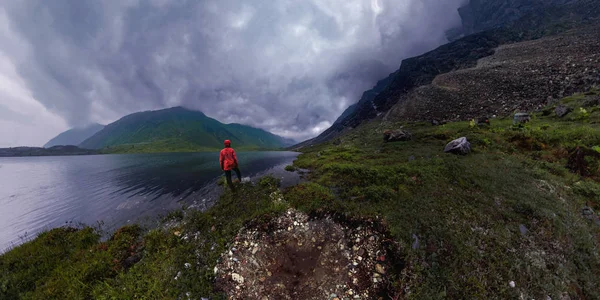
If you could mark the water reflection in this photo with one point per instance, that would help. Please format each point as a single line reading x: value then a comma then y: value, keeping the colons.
x: 37, y: 193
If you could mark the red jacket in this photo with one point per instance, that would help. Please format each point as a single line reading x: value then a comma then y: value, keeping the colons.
x: 228, y: 159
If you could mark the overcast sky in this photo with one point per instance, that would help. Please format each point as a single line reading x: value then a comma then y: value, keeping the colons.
x: 287, y: 66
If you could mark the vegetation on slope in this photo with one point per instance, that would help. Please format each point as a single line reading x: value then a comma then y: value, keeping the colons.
x: 178, y: 130
x: 514, y: 211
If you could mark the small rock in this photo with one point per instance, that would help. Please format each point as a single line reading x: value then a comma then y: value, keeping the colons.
x: 237, y: 278
x: 587, y: 211
x: 396, y: 135
x: 521, y: 118
x: 562, y: 110
x: 459, y: 146
x: 415, y: 244
x: 379, y: 268
x: 523, y: 229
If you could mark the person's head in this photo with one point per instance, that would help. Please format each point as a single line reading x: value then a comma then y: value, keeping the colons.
x: 227, y: 143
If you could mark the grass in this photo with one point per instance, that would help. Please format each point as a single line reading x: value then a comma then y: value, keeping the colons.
x: 509, y: 211
x: 467, y: 211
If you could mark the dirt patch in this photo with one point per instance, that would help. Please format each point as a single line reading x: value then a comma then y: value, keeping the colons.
x: 297, y: 257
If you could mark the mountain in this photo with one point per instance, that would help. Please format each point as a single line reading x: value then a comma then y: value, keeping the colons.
x: 74, y: 136
x: 178, y: 129
x: 480, y: 15
x: 367, y: 97
x: 418, y: 72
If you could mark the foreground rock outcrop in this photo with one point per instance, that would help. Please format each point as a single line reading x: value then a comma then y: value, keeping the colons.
x: 297, y: 257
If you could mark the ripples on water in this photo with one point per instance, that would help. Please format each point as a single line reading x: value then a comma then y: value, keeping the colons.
x: 38, y: 193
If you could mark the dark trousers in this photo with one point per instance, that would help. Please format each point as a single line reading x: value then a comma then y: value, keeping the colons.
x: 228, y: 176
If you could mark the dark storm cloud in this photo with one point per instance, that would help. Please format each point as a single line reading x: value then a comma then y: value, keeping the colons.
x: 287, y: 66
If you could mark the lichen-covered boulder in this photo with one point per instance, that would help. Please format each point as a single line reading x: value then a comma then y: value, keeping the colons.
x: 396, y: 135
x: 459, y: 146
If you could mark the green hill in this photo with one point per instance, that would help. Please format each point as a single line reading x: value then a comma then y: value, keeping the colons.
x: 178, y: 129
x: 74, y: 136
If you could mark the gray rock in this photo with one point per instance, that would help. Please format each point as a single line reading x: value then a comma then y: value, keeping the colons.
x: 523, y: 229
x: 396, y: 135
x: 459, y: 146
x: 521, y: 118
x: 435, y: 122
x: 562, y: 110
x: 592, y: 102
x: 587, y: 211
x: 415, y: 244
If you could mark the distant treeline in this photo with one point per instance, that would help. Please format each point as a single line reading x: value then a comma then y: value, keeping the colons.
x: 52, y: 151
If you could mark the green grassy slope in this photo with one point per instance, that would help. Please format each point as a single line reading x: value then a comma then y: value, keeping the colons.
x: 177, y: 129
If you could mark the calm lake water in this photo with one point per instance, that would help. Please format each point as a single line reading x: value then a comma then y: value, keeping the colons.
x: 38, y: 193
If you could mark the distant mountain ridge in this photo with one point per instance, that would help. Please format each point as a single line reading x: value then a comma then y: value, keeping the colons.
x: 74, y: 136
x: 179, y: 129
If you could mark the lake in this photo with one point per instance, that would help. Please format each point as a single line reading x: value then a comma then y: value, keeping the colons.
x: 39, y: 193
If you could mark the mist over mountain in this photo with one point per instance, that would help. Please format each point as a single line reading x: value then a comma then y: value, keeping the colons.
x: 74, y: 136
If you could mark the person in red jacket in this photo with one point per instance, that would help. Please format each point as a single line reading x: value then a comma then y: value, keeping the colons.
x: 229, y: 162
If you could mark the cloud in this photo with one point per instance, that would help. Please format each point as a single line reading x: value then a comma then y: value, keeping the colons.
x: 290, y: 67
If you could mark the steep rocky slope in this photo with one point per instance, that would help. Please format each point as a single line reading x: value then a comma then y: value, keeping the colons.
x: 464, y: 54
x: 519, y: 77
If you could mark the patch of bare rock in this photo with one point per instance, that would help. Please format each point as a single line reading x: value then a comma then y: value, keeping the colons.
x: 294, y: 256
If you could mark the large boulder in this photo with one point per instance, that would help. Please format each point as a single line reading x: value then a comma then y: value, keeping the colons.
x: 562, y: 110
x: 459, y: 146
x: 396, y: 135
